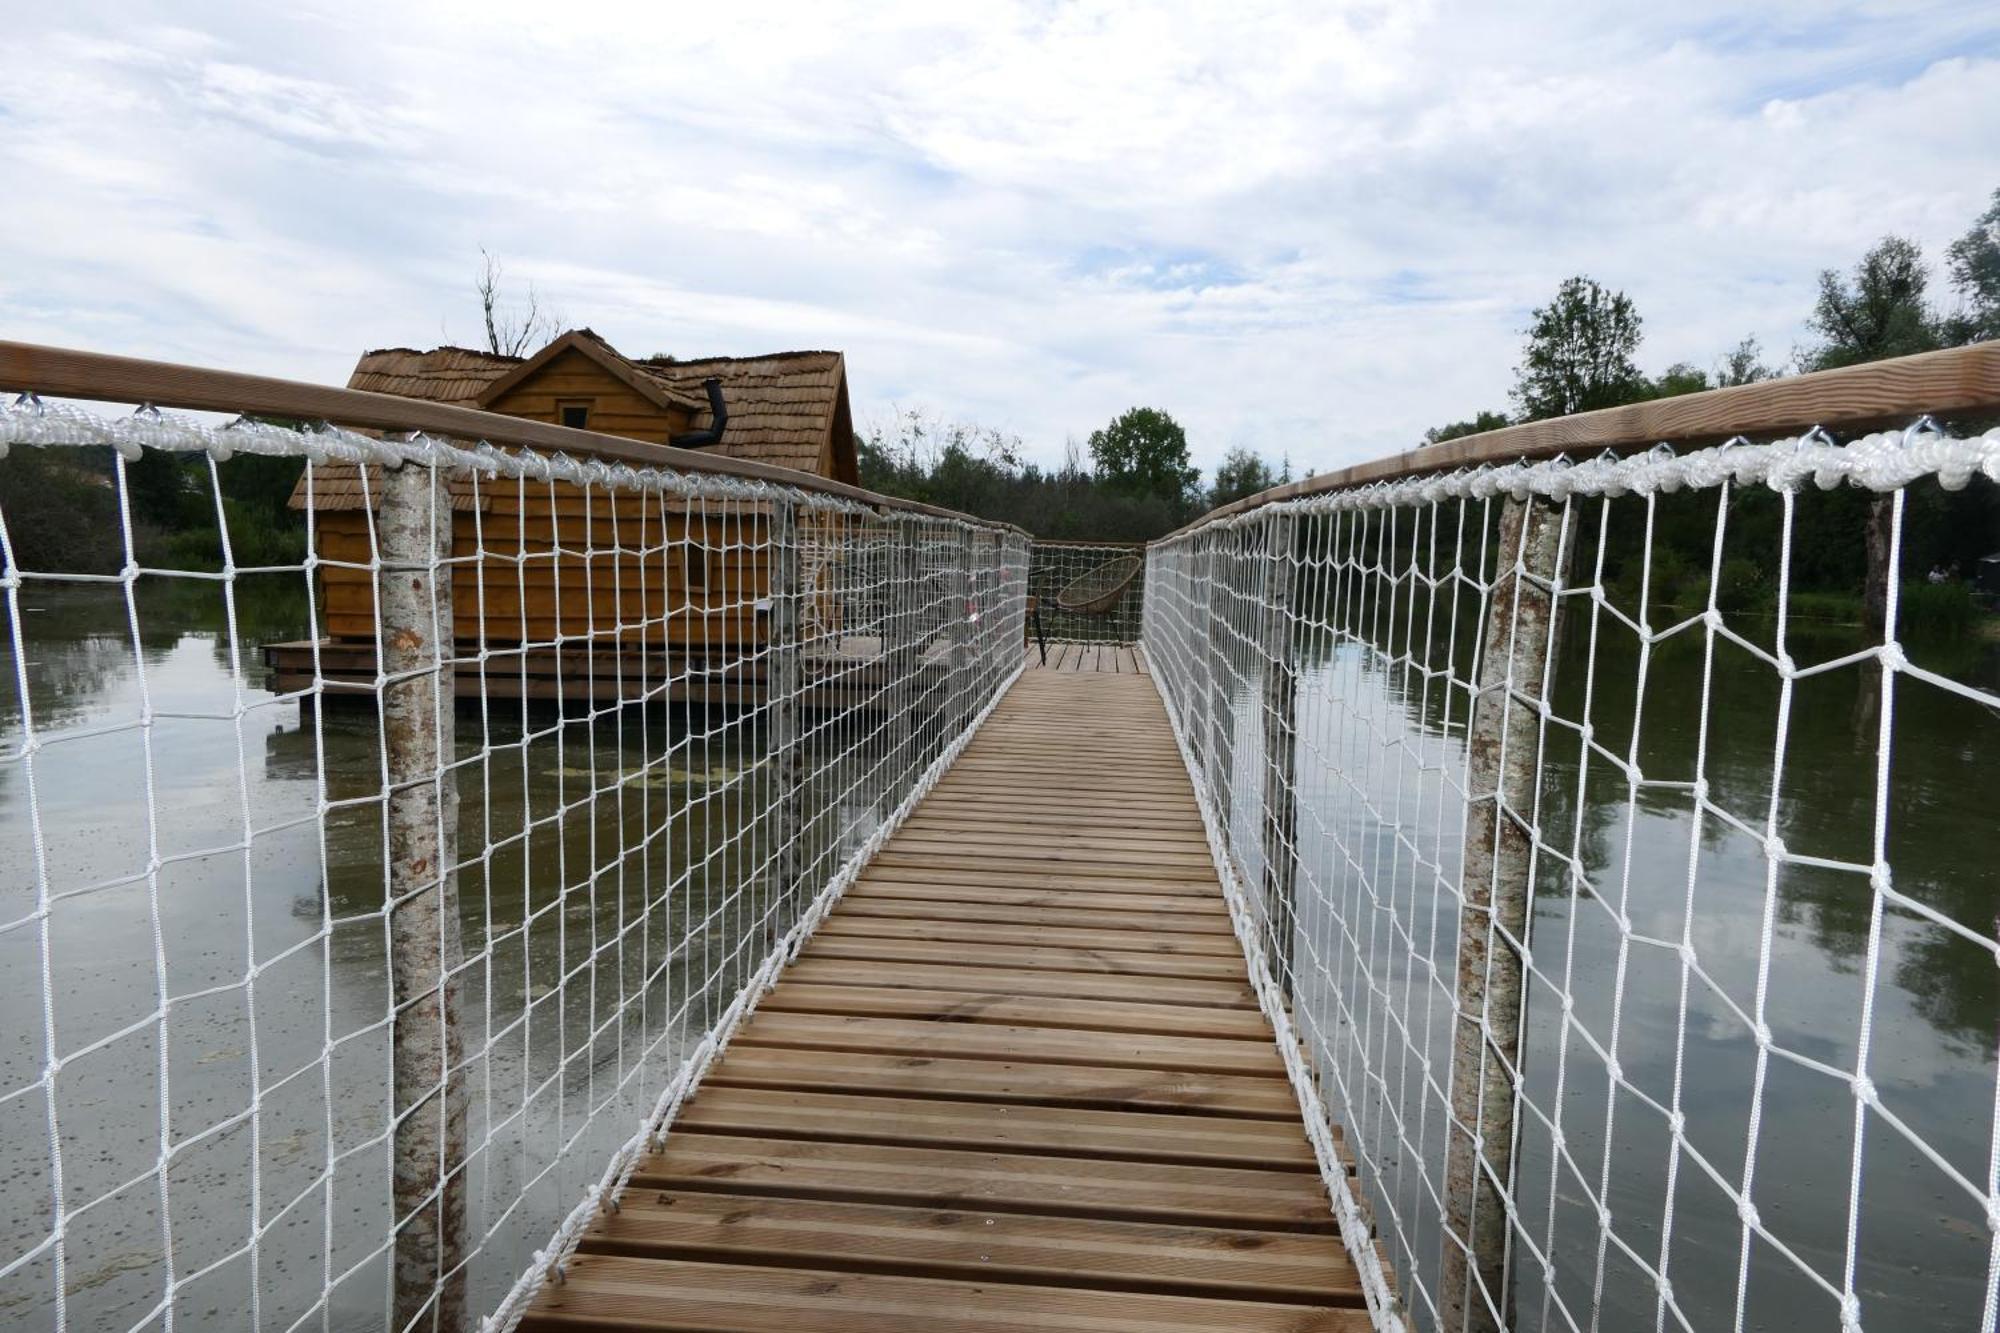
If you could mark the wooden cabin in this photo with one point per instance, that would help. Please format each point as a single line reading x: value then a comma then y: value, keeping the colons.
x: 699, y: 597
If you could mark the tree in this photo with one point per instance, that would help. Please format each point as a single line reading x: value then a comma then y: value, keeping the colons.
x: 1679, y: 378
x: 1243, y: 472
x: 1578, y: 356
x: 1974, y: 263
x: 1744, y: 364
x: 517, y: 333
x: 1882, y: 313
x: 1479, y: 425
x: 1144, y: 452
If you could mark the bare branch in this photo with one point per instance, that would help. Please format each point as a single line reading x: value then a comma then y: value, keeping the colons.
x: 507, y: 334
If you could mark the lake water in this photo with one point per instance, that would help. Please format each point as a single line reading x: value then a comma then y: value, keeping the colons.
x: 1936, y: 1008
x: 622, y: 901
x: 1923, y: 1244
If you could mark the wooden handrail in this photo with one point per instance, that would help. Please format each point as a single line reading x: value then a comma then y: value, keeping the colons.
x: 1958, y: 379
x: 58, y: 372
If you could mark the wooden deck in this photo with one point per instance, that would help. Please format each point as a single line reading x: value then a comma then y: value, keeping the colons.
x: 1117, y: 658
x: 1015, y: 1082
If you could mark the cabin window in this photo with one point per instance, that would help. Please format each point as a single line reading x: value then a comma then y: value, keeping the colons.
x: 575, y: 415
x: 694, y: 570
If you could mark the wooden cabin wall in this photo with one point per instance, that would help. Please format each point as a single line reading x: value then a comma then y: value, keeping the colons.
x: 616, y: 408
x: 689, y: 580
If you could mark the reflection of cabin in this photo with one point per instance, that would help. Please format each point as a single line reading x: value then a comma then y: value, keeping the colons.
x: 700, y: 594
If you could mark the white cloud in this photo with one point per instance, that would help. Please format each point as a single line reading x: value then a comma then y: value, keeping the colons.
x: 1312, y: 230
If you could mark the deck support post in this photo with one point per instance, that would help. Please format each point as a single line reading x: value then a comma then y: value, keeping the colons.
x: 1493, y: 917
x: 413, y: 532
x: 1281, y: 686
x: 784, y: 680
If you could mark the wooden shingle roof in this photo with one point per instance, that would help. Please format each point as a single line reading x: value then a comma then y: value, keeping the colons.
x: 442, y: 375
x: 785, y: 408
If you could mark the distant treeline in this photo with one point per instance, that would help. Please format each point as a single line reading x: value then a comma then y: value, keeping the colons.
x: 1578, y: 356
x: 63, y: 512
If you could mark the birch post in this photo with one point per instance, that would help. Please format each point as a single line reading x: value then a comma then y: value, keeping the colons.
x: 961, y: 610
x: 1281, y: 685
x: 904, y: 633
x: 1219, y: 703
x: 1500, y: 798
x: 783, y: 680
x: 425, y: 949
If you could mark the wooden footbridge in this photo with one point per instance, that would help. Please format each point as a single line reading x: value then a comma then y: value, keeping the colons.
x: 1177, y: 982
x: 1016, y: 1081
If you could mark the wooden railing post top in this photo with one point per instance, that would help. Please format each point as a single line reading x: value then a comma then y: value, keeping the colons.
x: 1958, y: 379
x: 59, y: 372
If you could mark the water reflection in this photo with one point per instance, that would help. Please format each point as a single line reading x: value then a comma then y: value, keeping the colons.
x: 1380, y: 831
x: 616, y: 890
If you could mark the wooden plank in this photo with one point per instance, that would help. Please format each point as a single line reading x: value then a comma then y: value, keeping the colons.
x: 1054, y: 1131
x: 613, y: 1291
x: 1226, y: 1196
x: 1194, y: 906
x: 972, y: 1007
x: 1179, y: 992
x: 1065, y: 959
x: 983, y: 1247
x: 1215, y: 945
x: 1095, y: 867
x: 859, y: 905
x: 999, y: 1041
x: 1007, y: 1081
x: 1055, y: 841
x: 1036, y: 811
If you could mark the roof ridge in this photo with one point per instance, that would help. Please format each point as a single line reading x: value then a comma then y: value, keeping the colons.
x: 672, y: 362
x: 443, y: 347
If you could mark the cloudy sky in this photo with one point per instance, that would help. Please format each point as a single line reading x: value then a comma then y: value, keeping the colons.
x: 1312, y: 230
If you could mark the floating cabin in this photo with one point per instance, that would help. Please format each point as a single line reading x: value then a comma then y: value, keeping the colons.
x: 698, y: 598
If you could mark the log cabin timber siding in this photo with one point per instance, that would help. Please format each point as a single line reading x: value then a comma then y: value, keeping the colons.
x: 609, y: 567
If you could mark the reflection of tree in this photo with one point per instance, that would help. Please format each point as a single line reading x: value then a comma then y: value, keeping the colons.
x: 1825, y: 802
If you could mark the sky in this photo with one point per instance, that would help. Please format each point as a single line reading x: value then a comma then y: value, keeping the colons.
x: 1311, y: 231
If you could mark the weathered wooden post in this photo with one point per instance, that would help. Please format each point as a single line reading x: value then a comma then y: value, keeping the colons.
x: 1280, y: 702
x: 1500, y: 795
x: 425, y: 950
x: 784, y: 680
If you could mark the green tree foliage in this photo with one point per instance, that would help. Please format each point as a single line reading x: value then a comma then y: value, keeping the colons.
x: 1144, y: 452
x: 1743, y: 364
x: 63, y: 512
x: 1974, y: 263
x: 1456, y: 430
x: 1679, y: 378
x: 1243, y: 472
x: 1578, y: 354
x: 978, y: 471
x: 1881, y: 311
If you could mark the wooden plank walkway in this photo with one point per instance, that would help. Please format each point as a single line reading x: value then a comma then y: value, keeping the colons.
x: 1015, y: 1082
x: 1118, y: 658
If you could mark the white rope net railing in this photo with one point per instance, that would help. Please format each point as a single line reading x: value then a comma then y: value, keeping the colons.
x: 1628, y: 908
x: 342, y: 1003
x: 1108, y: 597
